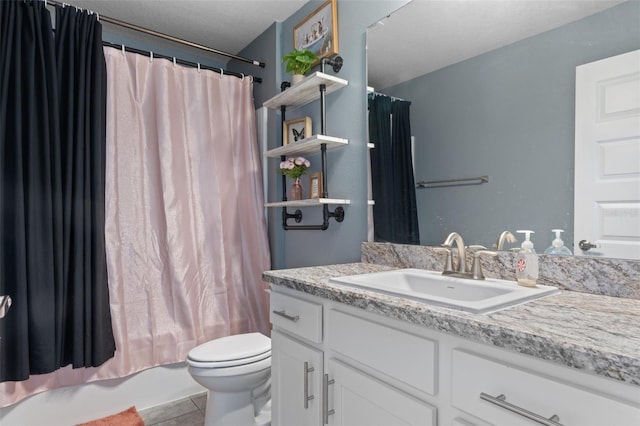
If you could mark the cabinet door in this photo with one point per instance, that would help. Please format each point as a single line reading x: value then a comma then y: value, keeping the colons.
x: 288, y: 358
x: 359, y: 399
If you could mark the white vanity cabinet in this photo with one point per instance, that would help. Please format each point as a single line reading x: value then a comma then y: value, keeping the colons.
x: 353, y: 380
x: 372, y: 370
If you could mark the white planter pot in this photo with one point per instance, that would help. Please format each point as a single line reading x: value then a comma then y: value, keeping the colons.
x: 296, y: 78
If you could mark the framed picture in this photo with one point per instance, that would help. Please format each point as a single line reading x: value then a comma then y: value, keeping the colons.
x: 296, y: 130
x: 318, y: 32
x: 315, y: 185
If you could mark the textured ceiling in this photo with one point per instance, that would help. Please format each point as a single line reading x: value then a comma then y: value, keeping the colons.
x: 422, y: 36
x: 427, y: 35
x: 227, y: 25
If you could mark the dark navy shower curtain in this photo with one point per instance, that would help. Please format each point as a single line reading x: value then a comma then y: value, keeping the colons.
x: 395, y: 214
x: 52, y: 153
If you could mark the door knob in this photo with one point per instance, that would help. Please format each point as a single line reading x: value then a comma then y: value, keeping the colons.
x: 585, y: 245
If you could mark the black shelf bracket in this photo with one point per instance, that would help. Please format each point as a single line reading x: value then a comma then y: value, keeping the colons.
x: 337, y: 214
x: 336, y: 63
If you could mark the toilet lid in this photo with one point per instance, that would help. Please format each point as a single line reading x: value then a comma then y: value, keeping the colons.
x: 239, y: 347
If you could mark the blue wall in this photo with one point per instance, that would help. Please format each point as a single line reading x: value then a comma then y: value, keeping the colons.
x: 508, y: 114
x: 346, y: 117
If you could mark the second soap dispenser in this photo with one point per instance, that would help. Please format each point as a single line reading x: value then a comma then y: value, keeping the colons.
x: 527, y: 262
x: 557, y: 245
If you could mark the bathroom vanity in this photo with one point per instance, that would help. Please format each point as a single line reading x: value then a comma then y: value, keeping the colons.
x: 345, y: 356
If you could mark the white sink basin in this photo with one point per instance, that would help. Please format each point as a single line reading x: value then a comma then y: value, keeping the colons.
x: 476, y: 296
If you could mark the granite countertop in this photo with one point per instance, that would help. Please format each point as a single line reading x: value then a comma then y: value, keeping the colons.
x: 598, y: 334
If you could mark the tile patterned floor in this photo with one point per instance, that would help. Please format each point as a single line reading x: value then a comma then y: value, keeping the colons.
x: 183, y: 412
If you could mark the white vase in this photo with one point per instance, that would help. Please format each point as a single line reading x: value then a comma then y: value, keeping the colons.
x: 296, y: 78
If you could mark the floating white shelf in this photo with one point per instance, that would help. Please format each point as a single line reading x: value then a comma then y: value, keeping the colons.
x: 305, y: 91
x: 308, y: 202
x: 308, y: 145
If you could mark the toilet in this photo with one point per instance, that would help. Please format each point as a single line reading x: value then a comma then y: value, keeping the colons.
x: 236, y: 370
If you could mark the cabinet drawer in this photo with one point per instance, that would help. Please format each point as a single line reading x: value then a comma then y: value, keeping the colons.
x: 399, y: 355
x: 296, y: 316
x: 473, y: 374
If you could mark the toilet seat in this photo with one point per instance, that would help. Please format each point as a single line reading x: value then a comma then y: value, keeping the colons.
x: 231, y: 351
x: 232, y: 373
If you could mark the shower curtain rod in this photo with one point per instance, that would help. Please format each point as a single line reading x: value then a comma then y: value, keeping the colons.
x: 166, y: 36
x: 393, y: 98
x: 180, y: 61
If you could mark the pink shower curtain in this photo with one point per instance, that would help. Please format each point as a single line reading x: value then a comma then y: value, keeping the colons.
x: 185, y: 231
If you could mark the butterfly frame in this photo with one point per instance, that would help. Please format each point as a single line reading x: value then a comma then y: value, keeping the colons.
x: 296, y: 130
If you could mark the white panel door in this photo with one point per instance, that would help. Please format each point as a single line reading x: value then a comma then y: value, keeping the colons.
x: 607, y: 157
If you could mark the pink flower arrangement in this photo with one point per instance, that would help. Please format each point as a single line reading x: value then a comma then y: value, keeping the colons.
x: 294, y: 167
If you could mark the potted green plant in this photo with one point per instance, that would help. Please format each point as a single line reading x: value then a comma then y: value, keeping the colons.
x: 299, y: 62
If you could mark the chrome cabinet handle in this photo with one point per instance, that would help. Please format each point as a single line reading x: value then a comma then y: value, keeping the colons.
x: 283, y: 314
x: 307, y: 397
x: 325, y: 399
x: 501, y: 401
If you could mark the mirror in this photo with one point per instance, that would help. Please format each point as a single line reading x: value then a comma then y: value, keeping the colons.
x: 492, y: 92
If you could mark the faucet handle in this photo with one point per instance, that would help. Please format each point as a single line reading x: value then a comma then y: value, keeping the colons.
x: 476, y: 267
x: 448, y: 262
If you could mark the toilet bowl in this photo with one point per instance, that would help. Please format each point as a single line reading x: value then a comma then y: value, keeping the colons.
x: 236, y: 370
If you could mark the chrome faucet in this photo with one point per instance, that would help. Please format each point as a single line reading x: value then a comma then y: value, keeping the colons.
x: 461, y: 270
x: 504, y: 236
x: 476, y: 267
x: 454, y: 237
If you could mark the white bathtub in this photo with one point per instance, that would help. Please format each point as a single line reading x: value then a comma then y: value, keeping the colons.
x: 75, y: 404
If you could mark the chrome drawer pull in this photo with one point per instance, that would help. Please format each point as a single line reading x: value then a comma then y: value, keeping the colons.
x: 307, y: 397
x: 282, y: 313
x: 325, y: 399
x: 501, y: 401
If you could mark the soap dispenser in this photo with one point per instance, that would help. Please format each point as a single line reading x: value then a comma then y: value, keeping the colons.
x: 557, y: 245
x: 527, y: 262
